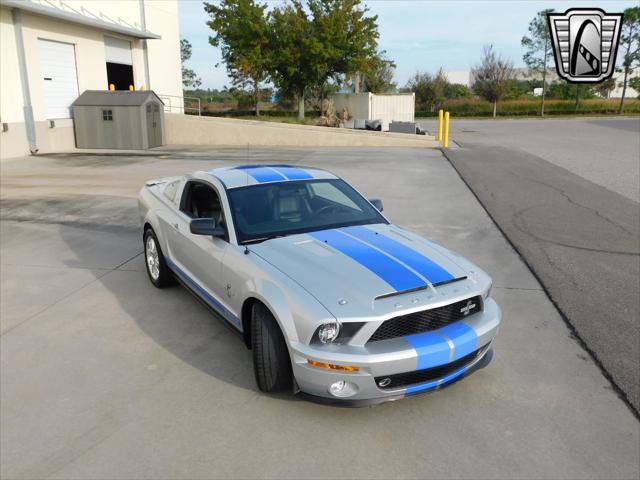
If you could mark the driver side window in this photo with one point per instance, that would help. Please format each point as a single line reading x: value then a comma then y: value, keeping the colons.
x: 200, y: 200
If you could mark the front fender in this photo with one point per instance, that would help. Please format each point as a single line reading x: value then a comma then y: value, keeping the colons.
x: 297, y: 312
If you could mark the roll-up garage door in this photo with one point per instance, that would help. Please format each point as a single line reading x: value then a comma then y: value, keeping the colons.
x: 119, y: 62
x: 117, y: 50
x: 58, y: 63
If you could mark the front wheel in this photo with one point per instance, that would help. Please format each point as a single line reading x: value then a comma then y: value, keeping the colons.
x: 157, y: 269
x: 271, y: 362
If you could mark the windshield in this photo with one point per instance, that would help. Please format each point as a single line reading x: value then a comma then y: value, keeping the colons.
x: 284, y: 208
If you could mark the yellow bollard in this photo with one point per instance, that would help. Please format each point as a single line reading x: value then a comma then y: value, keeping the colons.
x: 131, y: 88
x: 445, y: 140
x: 112, y: 87
x: 142, y: 87
x: 440, y: 115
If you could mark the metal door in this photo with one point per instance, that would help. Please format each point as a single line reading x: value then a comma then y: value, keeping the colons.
x: 200, y: 257
x: 58, y: 63
x: 154, y: 132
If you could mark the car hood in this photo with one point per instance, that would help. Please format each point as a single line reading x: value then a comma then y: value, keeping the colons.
x: 365, y: 271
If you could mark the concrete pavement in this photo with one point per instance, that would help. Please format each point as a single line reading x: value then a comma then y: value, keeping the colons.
x: 104, y: 376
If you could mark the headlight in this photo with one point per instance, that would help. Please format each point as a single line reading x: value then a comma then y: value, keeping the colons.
x: 328, y: 332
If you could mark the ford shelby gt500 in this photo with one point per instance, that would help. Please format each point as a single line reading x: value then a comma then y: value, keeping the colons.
x: 335, y: 302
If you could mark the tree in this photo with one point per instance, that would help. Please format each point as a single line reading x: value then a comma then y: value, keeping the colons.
x: 313, y: 44
x: 457, y: 90
x: 379, y: 78
x: 635, y: 84
x: 605, y: 87
x: 243, y: 34
x: 539, y: 51
x: 431, y: 90
x: 189, y: 78
x: 630, y: 42
x: 492, y: 76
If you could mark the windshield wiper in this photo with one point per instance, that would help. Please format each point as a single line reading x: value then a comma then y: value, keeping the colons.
x: 261, y: 239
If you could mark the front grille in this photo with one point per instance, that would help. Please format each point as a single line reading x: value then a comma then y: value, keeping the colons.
x: 426, y: 320
x: 400, y: 380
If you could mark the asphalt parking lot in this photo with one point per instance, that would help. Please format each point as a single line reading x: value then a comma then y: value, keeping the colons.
x: 565, y: 193
x: 104, y: 376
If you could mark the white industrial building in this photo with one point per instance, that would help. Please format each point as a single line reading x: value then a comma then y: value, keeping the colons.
x: 51, y: 51
x: 465, y: 77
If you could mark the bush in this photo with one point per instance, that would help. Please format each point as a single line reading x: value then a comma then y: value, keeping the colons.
x: 474, y: 107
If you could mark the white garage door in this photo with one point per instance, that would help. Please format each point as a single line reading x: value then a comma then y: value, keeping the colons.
x: 117, y: 50
x: 58, y: 62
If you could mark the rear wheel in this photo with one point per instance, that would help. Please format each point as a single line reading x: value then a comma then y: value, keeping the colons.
x: 271, y: 362
x: 157, y: 269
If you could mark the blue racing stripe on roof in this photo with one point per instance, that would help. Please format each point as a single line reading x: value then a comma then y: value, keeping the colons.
x: 464, y: 338
x: 426, y: 267
x: 263, y: 174
x: 432, y: 349
x: 292, y: 173
x: 392, y: 272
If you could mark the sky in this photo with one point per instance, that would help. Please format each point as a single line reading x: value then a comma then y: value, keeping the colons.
x: 419, y: 35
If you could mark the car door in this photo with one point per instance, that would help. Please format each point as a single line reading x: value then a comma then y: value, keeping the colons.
x: 200, y: 257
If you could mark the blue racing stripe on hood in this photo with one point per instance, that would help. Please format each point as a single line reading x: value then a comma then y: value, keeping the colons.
x: 392, y: 272
x: 426, y: 267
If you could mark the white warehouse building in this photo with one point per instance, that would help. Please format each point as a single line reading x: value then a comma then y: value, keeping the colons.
x: 51, y: 51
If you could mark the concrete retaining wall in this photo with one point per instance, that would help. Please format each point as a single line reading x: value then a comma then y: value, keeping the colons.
x: 192, y: 130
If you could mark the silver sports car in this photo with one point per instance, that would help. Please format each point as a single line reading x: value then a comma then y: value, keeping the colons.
x: 335, y: 302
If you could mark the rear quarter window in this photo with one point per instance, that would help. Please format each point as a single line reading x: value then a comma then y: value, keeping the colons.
x: 171, y: 189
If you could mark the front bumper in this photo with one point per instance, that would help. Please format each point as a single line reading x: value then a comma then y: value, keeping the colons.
x: 401, y: 355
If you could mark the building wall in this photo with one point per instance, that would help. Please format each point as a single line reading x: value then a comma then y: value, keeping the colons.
x: 164, y: 63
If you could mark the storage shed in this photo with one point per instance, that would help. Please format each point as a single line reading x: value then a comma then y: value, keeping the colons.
x: 387, y: 107
x: 119, y: 120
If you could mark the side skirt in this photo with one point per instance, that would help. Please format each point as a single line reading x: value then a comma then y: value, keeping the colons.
x: 191, y: 287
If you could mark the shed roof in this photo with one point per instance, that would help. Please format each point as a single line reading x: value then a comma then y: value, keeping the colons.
x: 107, y: 98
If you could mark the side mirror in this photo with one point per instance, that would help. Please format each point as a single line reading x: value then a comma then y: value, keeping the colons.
x: 377, y: 202
x: 206, y: 226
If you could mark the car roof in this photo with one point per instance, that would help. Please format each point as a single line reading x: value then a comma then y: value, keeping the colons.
x: 244, y: 175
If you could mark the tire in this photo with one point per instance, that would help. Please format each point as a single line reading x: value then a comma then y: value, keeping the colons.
x: 271, y: 362
x: 157, y: 270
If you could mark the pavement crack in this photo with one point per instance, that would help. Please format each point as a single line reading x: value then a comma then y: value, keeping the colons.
x: 573, y: 202
x: 44, y: 309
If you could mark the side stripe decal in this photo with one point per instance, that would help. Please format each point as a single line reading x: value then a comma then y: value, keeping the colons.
x: 206, y: 296
x: 384, y: 267
x: 433, y: 272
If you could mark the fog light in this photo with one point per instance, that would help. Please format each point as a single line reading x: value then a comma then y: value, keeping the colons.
x: 343, y: 389
x: 328, y: 332
x: 337, y: 387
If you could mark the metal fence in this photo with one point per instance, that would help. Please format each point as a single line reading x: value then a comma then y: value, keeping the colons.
x: 179, y: 104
